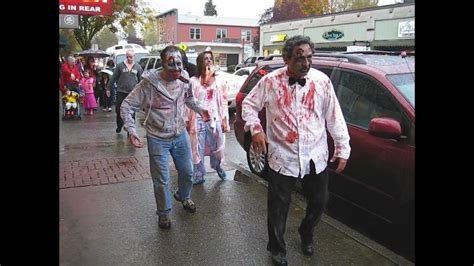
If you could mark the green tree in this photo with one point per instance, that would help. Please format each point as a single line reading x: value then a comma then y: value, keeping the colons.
x: 266, y: 17
x: 106, y: 38
x: 149, y: 30
x: 126, y: 12
x: 71, y: 44
x: 210, y: 9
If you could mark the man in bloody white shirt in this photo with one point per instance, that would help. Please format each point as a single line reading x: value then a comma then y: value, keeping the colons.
x: 300, y: 105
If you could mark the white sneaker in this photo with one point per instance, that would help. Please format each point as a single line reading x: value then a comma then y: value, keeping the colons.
x: 110, y: 109
x: 105, y: 109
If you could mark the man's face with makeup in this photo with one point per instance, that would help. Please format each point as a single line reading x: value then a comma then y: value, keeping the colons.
x: 173, y: 64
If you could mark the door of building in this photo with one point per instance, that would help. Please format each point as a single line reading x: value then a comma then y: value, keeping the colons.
x: 232, y: 59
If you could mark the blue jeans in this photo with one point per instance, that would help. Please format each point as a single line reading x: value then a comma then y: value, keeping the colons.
x: 180, y: 150
x: 214, y: 140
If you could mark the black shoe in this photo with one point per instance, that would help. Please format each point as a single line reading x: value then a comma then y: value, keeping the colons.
x: 188, y: 204
x: 279, y: 259
x: 164, y: 222
x: 221, y: 173
x: 306, y: 244
x: 118, y: 129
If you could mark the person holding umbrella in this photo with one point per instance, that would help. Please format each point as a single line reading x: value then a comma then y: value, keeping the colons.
x: 106, y: 97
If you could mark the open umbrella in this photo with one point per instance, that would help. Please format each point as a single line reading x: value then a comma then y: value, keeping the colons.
x: 94, y: 53
x: 106, y: 71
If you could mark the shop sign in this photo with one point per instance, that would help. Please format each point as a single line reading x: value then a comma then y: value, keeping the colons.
x: 406, y: 29
x: 68, y: 21
x: 278, y: 37
x: 333, y: 35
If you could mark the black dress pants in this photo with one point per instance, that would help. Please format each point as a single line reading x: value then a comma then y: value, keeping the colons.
x: 120, y: 97
x: 315, y: 191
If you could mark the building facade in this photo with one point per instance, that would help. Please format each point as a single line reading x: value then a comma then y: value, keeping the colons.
x: 230, y: 39
x: 390, y: 27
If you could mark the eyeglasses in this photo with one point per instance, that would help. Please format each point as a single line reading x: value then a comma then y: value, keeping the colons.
x: 129, y: 56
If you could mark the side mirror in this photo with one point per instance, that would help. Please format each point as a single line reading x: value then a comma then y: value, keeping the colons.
x: 385, y: 128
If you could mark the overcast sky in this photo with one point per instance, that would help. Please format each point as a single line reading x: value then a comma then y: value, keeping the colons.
x: 224, y: 8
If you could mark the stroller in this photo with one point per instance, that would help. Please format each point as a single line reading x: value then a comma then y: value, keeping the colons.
x: 74, y: 112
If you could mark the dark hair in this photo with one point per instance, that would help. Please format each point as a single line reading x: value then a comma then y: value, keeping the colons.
x: 295, y: 41
x: 185, y: 59
x: 168, y: 49
x: 110, y: 63
x: 201, y: 65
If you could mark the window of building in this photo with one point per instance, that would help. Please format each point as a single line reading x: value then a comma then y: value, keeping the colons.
x: 246, y: 35
x: 221, y: 34
x: 195, y: 33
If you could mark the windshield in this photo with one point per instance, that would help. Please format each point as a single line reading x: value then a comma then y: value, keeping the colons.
x: 405, y: 83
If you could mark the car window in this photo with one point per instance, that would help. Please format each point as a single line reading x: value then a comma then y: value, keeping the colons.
x: 258, y: 75
x: 157, y: 63
x: 362, y: 98
x: 151, y: 63
x: 242, y: 72
x: 325, y: 70
x: 142, y: 62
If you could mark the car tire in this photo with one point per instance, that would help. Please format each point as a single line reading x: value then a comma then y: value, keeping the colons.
x: 258, y: 164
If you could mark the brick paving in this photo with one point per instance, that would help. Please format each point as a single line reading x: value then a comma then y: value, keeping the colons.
x: 103, y: 171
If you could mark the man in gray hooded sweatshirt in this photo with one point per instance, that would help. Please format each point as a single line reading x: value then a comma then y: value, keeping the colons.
x: 164, y: 94
x: 127, y: 74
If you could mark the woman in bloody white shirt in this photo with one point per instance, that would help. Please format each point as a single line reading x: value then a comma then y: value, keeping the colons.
x: 210, y: 91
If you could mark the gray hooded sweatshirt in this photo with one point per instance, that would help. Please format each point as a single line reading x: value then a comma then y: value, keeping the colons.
x: 164, y: 105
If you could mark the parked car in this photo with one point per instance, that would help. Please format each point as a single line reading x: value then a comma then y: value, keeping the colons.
x: 244, y: 71
x: 118, y: 52
x: 250, y: 61
x: 150, y: 62
x: 377, y: 96
x: 235, y: 83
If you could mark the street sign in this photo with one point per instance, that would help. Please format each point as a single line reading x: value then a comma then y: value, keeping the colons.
x: 68, y: 21
x: 183, y: 46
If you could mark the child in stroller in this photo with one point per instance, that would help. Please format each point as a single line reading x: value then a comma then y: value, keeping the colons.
x: 71, y: 105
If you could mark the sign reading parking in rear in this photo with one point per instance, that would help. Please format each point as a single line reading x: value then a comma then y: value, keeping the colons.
x: 86, y: 7
x: 68, y: 21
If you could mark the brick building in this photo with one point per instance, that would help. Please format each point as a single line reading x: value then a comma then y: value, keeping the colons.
x: 230, y: 39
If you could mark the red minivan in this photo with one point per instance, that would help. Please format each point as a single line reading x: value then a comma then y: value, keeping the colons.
x: 376, y: 93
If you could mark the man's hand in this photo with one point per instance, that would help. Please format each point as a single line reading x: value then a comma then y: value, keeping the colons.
x: 205, y: 115
x: 259, y: 143
x: 341, y: 165
x: 136, y: 141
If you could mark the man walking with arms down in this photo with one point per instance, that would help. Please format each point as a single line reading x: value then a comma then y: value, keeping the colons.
x: 164, y: 95
x: 300, y: 101
x: 127, y: 74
